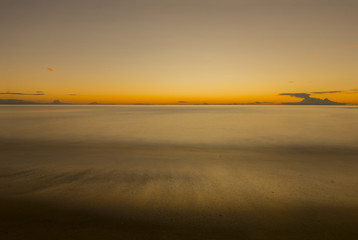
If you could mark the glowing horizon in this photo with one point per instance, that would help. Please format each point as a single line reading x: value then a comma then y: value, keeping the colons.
x: 165, y: 52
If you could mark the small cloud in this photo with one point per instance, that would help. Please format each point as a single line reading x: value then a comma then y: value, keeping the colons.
x: 51, y: 69
x: 352, y: 91
x: 72, y: 94
x: 20, y: 93
x: 211, y: 58
x: 317, y: 54
x: 329, y: 92
x: 16, y: 101
x: 297, y: 95
x: 352, y: 46
x: 325, y: 92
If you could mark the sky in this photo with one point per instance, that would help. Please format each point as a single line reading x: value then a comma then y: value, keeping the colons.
x: 179, y: 51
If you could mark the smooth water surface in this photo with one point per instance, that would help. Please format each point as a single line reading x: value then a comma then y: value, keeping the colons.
x: 233, y: 125
x: 179, y: 172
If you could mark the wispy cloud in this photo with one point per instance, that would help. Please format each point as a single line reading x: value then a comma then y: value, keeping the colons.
x: 16, y: 101
x: 297, y: 95
x: 21, y: 93
x: 317, y: 54
x: 330, y: 92
x: 51, y: 69
x: 303, y: 95
x: 352, y: 91
x: 325, y: 92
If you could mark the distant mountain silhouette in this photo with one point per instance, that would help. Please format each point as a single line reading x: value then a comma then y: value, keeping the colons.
x: 58, y: 102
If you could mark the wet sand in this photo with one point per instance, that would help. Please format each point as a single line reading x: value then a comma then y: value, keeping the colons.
x: 99, y: 190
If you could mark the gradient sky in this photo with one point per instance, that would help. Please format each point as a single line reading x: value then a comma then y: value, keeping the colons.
x: 165, y: 51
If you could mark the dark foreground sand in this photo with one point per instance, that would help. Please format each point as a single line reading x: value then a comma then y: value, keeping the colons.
x: 62, y: 190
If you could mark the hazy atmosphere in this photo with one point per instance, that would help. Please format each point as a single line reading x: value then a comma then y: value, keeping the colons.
x: 178, y: 52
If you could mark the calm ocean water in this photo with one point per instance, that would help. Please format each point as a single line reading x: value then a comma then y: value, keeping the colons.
x: 233, y: 125
x: 179, y: 172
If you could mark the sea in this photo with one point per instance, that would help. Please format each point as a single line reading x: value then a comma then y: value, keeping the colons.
x: 179, y: 172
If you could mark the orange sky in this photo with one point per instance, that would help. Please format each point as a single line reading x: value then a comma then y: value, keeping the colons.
x: 163, y: 52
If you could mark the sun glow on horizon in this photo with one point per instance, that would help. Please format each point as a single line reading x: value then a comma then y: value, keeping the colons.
x: 181, y: 52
